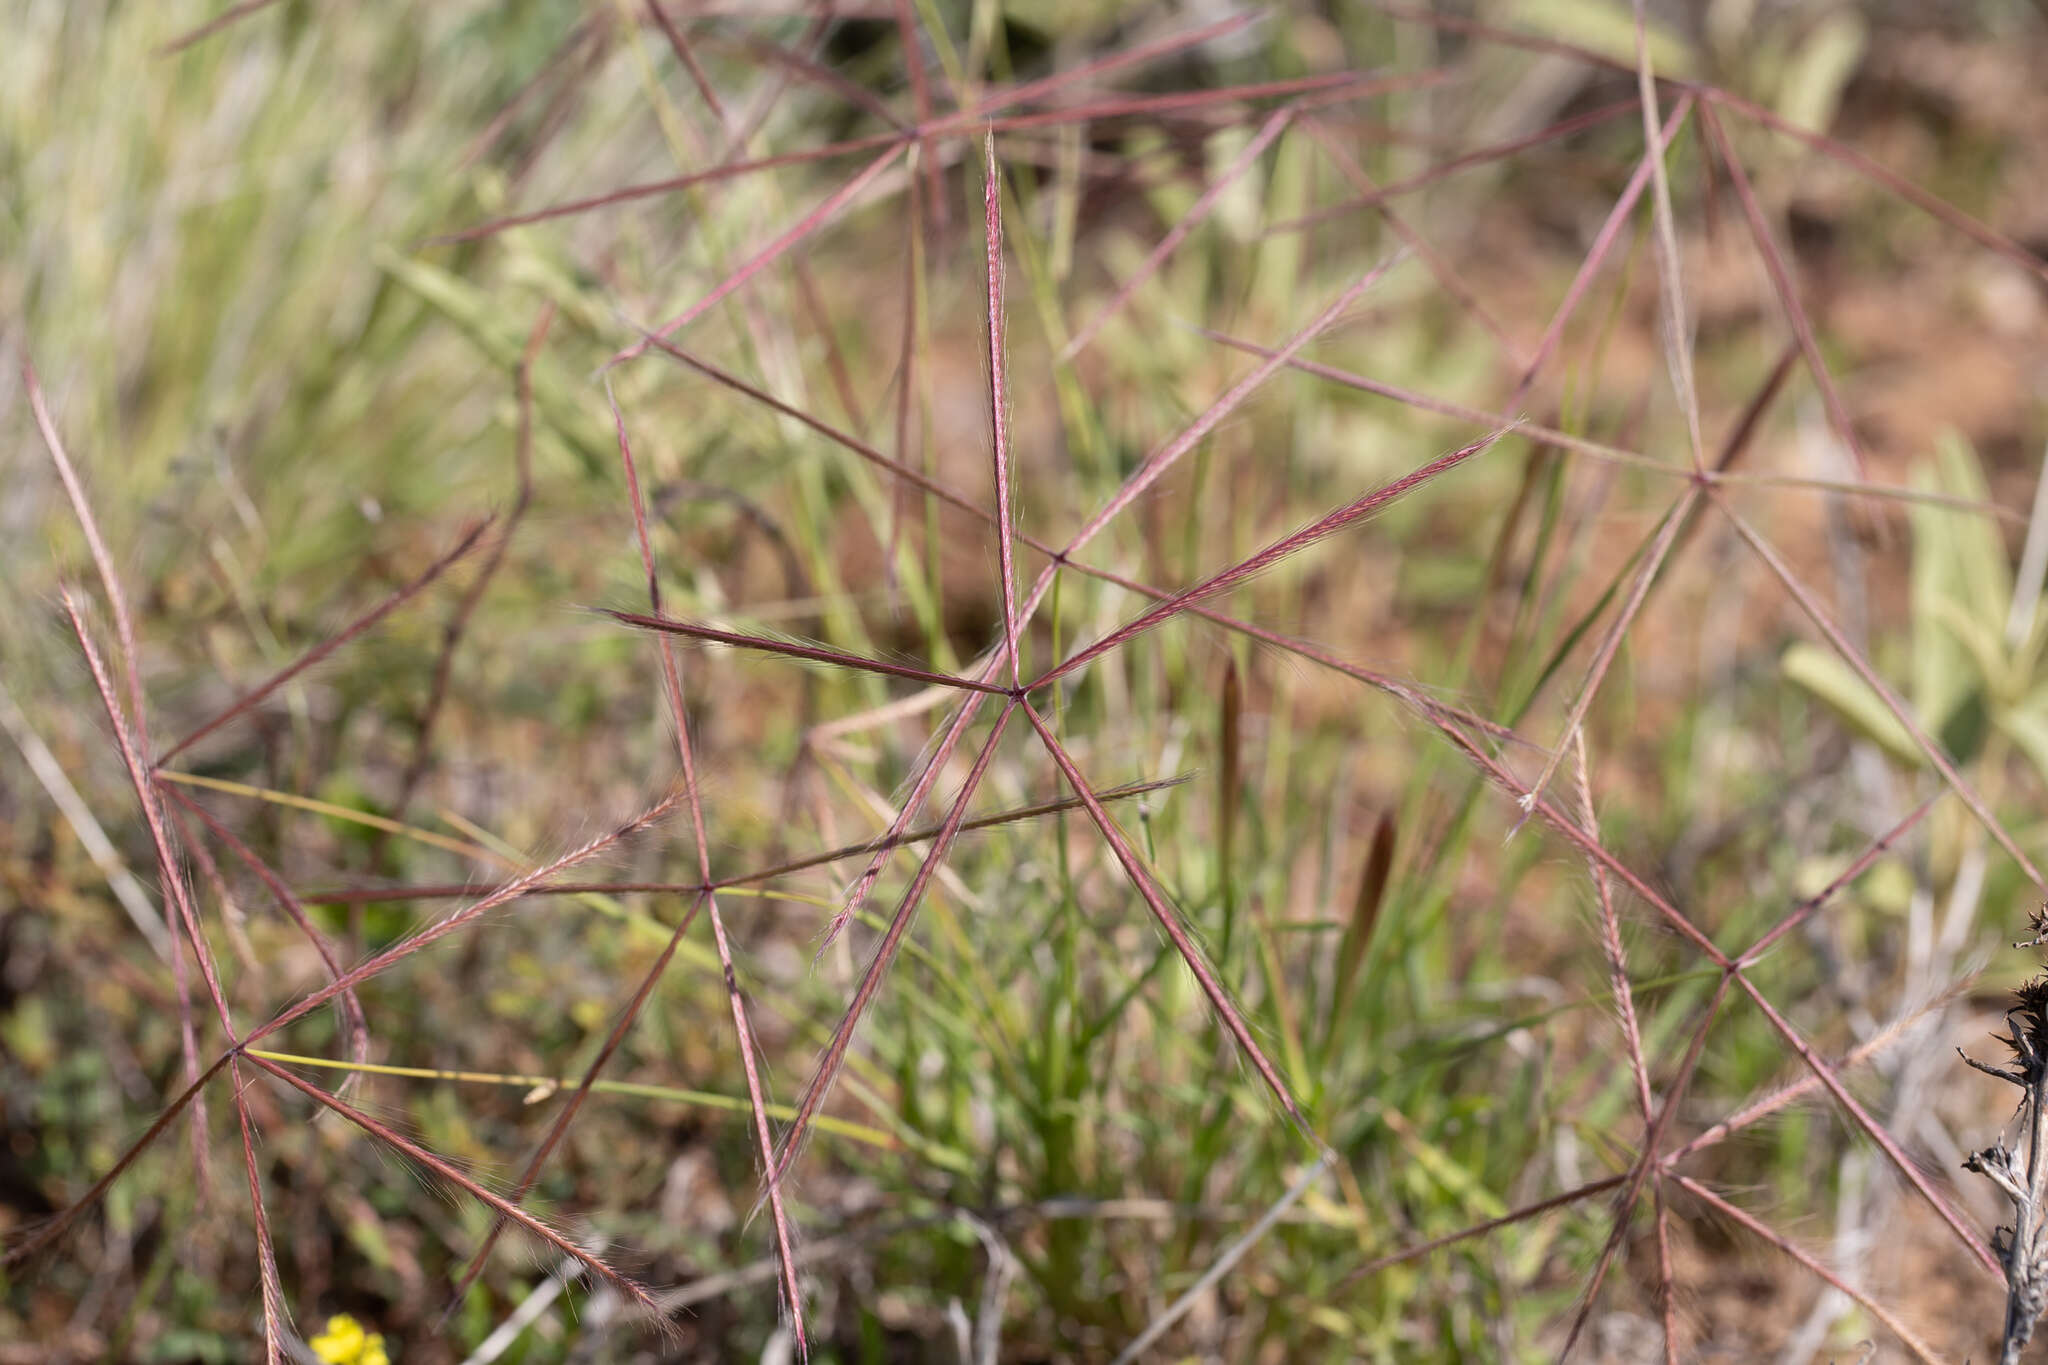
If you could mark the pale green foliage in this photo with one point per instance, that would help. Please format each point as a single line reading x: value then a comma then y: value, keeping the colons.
x: 1968, y: 681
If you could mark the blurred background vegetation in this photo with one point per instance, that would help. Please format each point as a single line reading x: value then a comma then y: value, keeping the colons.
x: 288, y: 398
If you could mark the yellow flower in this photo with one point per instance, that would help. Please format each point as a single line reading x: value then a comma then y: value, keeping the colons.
x: 346, y: 1343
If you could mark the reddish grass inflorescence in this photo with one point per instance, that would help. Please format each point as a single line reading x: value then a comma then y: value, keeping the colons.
x: 931, y: 134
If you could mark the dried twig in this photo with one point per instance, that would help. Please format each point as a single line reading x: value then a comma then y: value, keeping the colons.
x: 2022, y: 1175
